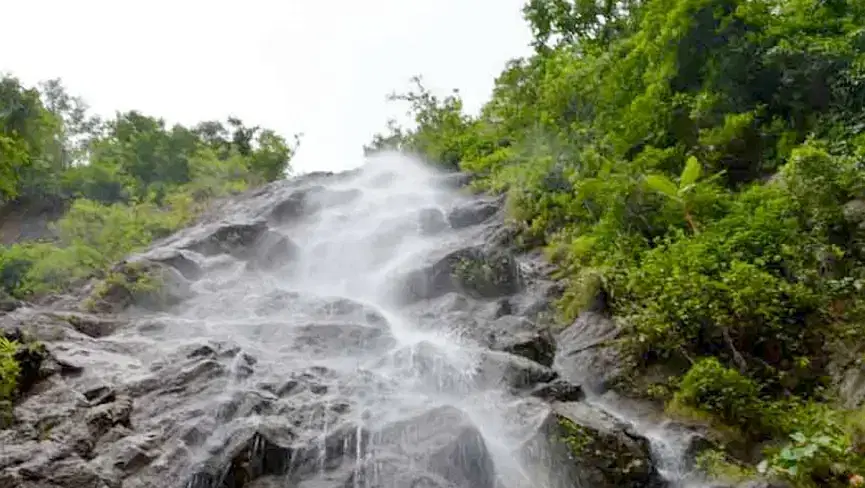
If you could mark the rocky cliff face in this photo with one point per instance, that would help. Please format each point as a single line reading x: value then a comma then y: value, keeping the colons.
x: 370, y: 329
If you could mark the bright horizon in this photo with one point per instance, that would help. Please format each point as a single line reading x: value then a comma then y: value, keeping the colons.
x: 322, y: 69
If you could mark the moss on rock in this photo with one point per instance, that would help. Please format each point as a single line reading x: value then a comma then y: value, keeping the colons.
x: 486, y: 274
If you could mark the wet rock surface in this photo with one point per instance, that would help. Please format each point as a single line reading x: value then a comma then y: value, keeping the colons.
x: 586, y: 353
x: 431, y: 221
x: 287, y: 345
x: 181, y: 260
x: 609, y: 453
x: 443, y: 445
x: 474, y: 271
x: 522, y: 337
x: 559, y: 390
x: 473, y: 213
x: 7, y: 303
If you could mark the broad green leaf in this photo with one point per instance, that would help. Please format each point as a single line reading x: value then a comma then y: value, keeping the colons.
x: 691, y: 173
x: 662, y: 184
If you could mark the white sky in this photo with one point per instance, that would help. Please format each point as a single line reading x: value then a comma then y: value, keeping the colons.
x: 319, y: 67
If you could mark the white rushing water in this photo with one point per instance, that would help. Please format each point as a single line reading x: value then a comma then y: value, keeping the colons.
x: 334, y: 317
x: 356, y: 251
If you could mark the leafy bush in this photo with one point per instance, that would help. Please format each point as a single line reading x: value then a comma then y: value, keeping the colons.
x: 821, y: 446
x: 57, y: 268
x: 15, y: 261
x: 718, y: 465
x: 127, y: 284
x: 734, y: 285
x: 810, y: 460
x: 42, y: 267
x: 722, y: 391
x: 115, y: 229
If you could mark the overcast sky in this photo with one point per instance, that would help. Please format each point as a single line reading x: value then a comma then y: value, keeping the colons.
x: 319, y: 67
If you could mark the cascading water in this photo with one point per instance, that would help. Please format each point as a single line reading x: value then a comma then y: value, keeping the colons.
x: 669, y: 444
x: 372, y: 329
x: 391, y: 363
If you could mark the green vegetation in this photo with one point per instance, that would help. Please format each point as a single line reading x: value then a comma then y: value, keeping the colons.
x: 698, y: 163
x: 485, y: 275
x: 719, y: 463
x: 125, y: 285
x: 21, y: 366
x: 119, y: 183
x: 9, y: 369
x: 577, y: 438
x: 701, y: 163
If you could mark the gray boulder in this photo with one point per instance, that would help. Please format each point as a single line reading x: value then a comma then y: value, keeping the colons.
x: 522, y: 337
x: 176, y: 258
x: 607, y: 452
x: 474, y: 271
x: 272, y: 251
x: 472, y: 213
x: 585, y: 353
x: 227, y: 238
x: 441, y: 447
x: 438, y: 448
x: 306, y: 202
x: 514, y: 371
x: 431, y: 221
x: 559, y: 390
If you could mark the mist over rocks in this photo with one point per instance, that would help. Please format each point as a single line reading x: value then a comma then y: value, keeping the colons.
x: 325, y: 331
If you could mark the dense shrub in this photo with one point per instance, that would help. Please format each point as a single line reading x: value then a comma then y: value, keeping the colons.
x: 722, y: 391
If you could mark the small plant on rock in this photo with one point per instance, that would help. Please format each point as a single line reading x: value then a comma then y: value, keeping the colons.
x: 576, y: 437
x: 124, y: 286
x: 9, y: 371
x: 823, y: 448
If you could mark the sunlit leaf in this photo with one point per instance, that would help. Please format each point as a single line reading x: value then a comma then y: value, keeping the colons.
x: 691, y: 173
x: 662, y: 184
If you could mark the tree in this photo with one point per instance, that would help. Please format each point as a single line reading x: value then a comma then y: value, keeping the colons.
x: 29, y: 146
x: 79, y: 128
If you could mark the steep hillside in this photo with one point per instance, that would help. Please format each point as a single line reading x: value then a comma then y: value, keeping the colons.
x: 696, y: 168
x: 372, y: 328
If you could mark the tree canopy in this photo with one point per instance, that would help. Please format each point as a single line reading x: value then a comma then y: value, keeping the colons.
x: 122, y: 181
